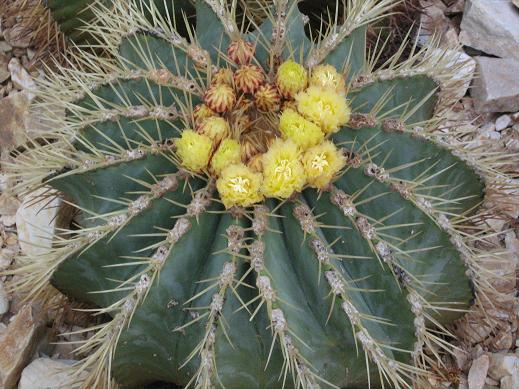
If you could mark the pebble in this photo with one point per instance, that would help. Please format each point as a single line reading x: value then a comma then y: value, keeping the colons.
x: 492, y: 27
x: 18, y: 343
x: 45, y: 373
x: 502, y: 365
x: 497, y: 87
x: 478, y: 372
x: 21, y: 78
x: 502, y: 122
x: 4, y: 300
x: 510, y: 382
x: 5, y: 47
x: 35, y: 221
x: 18, y: 36
x: 13, y: 110
x: 4, y: 71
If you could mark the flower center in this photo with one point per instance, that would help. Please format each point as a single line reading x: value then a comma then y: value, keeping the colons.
x: 319, y: 162
x: 326, y: 109
x: 284, y: 169
x: 239, y: 184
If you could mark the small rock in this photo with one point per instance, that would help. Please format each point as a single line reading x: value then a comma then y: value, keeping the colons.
x: 491, y: 381
x: 492, y: 135
x: 502, y: 122
x: 18, y: 343
x: 21, y: 77
x: 502, y: 341
x: 478, y: 372
x: 13, y: 110
x: 45, y: 373
x: 461, y: 358
x: 463, y: 383
x: 5, y: 47
x: 36, y: 220
x: 492, y: 27
x: 8, y: 204
x: 496, y: 224
x: 502, y: 365
x: 4, y: 71
x: 4, y: 300
x: 8, y: 220
x: 18, y: 36
x: 510, y: 382
x: 497, y: 87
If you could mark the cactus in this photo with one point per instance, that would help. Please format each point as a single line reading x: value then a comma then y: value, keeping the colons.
x: 343, y: 279
x: 73, y: 16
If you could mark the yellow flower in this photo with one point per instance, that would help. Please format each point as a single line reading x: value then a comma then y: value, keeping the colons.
x: 239, y: 185
x: 291, y: 78
x: 303, y: 132
x: 215, y: 128
x: 283, y: 173
x: 194, y: 150
x: 326, y: 76
x: 326, y: 108
x: 228, y: 153
x: 321, y: 163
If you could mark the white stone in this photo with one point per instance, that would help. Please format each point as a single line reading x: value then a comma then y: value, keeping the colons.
x: 502, y: 122
x: 36, y: 221
x: 46, y: 373
x: 491, y: 26
x: 510, y: 382
x: 496, y: 89
x: 492, y: 135
x: 4, y: 300
x: 502, y: 365
x: 478, y: 372
x: 21, y: 77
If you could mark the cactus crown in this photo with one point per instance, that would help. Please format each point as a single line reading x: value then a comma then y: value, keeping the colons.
x: 256, y: 208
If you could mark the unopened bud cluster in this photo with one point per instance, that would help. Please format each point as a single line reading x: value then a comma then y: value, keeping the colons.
x: 302, y: 110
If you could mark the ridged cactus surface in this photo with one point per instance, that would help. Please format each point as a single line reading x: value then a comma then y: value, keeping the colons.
x: 73, y: 16
x: 338, y: 285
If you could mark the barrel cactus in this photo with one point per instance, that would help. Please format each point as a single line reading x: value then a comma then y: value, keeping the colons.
x: 257, y: 206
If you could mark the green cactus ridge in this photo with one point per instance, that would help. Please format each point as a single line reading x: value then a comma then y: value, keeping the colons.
x: 346, y: 287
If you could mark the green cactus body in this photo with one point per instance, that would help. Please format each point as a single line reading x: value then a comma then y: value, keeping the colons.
x: 73, y: 16
x: 340, y: 287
